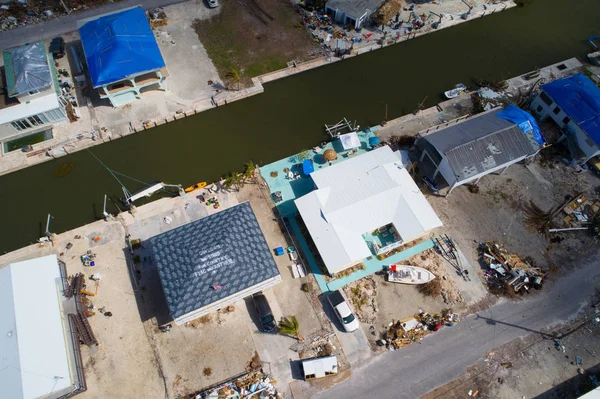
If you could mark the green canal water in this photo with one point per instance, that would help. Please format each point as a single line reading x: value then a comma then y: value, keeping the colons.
x: 289, y: 116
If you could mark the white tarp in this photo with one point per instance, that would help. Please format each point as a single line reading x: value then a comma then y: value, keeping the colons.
x: 33, y: 352
x: 349, y: 141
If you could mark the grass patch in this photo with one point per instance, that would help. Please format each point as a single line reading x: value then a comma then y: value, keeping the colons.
x: 254, y: 37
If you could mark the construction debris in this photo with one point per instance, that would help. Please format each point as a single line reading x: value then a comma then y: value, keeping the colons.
x: 580, y: 211
x: 255, y: 384
x: 508, y: 272
x: 157, y: 18
x: 407, y: 331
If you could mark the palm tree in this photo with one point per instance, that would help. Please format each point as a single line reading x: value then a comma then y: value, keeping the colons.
x: 289, y: 326
x: 249, y: 169
x: 231, y: 180
x: 234, y: 77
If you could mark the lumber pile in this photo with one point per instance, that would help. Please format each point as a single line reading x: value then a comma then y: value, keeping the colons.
x: 387, y: 11
x: 407, y: 331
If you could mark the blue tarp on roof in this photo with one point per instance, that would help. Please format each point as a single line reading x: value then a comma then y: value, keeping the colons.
x: 524, y: 120
x: 307, y: 167
x: 120, y: 45
x: 579, y: 98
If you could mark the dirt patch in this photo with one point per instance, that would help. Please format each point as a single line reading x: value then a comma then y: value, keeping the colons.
x: 254, y: 37
x: 429, y: 260
x: 362, y: 295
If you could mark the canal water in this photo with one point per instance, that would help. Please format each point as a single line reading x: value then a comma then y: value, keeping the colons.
x: 289, y: 116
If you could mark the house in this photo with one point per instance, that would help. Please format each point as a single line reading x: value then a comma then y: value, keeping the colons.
x: 364, y: 206
x: 122, y: 55
x: 31, y: 102
x: 489, y: 142
x: 573, y: 103
x: 213, y: 262
x: 351, y: 12
x: 38, y: 348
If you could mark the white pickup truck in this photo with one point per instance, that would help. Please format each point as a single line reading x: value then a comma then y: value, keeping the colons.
x: 342, y: 311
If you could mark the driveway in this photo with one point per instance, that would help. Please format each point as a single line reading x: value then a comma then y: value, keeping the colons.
x: 445, y: 355
x: 68, y: 23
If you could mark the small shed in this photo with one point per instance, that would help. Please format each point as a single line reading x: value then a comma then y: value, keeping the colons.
x: 320, y: 367
x: 466, y: 151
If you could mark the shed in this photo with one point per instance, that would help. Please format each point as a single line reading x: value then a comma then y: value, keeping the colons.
x: 34, y: 354
x: 351, y: 12
x: 489, y: 142
x: 212, y: 262
x: 320, y: 367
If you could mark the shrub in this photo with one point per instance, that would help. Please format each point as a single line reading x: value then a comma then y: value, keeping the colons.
x: 432, y: 288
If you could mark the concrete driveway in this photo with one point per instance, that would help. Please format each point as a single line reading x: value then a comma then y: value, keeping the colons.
x: 445, y: 355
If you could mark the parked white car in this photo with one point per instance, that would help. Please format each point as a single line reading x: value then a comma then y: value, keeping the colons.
x: 342, y: 311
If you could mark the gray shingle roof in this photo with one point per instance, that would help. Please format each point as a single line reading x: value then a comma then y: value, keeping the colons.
x: 226, y: 249
x: 481, y: 143
x: 354, y: 8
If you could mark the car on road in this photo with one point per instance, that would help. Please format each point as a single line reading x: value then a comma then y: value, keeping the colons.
x: 264, y: 313
x: 212, y: 3
x: 57, y: 47
x: 342, y: 311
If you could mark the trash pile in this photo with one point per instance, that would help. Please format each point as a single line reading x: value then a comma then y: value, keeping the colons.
x: 157, y: 17
x: 408, y: 331
x: 580, y: 211
x: 21, y: 12
x: 255, y: 384
x: 508, y: 272
x: 315, y: 345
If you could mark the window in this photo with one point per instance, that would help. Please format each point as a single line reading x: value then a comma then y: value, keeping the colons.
x: 35, y: 120
x: 546, y: 98
x: 566, y: 120
x: 54, y: 115
x: 21, y: 124
x: 539, y: 108
x: 556, y: 110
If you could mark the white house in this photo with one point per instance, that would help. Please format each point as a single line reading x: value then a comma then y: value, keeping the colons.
x: 364, y: 206
x: 351, y: 12
x: 36, y: 344
x: 574, y: 104
x: 31, y: 101
x: 485, y: 143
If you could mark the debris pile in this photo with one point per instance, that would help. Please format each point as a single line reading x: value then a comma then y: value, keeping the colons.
x: 508, y: 272
x: 157, y: 18
x: 405, y: 332
x: 580, y: 211
x: 255, y: 384
x: 315, y: 345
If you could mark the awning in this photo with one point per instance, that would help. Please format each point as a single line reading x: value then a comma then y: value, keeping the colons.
x: 349, y: 140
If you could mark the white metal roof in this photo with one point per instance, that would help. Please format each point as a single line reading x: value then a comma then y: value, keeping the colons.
x: 318, y: 366
x: 357, y: 196
x: 33, y: 352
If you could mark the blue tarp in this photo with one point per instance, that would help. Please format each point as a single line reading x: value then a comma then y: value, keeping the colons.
x: 307, y: 167
x: 120, y: 45
x: 579, y: 98
x: 373, y: 141
x: 524, y: 120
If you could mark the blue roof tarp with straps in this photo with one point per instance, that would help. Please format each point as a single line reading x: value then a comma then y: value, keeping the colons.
x: 307, y: 167
x: 120, y: 45
x: 579, y: 98
x: 524, y: 120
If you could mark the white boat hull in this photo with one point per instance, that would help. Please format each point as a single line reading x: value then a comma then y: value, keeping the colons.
x: 412, y: 275
x: 456, y: 91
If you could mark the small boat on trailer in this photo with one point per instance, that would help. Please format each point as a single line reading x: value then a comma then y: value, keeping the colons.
x: 459, y: 88
x: 196, y: 186
x: 406, y: 274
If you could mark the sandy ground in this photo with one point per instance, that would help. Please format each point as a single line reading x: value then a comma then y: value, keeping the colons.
x: 495, y: 213
x: 534, y: 367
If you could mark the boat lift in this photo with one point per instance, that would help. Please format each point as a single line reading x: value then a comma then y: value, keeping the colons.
x: 148, y: 191
x: 594, y: 57
x: 342, y: 127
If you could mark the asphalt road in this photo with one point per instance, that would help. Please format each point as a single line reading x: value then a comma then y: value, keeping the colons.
x: 68, y: 23
x: 445, y: 355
